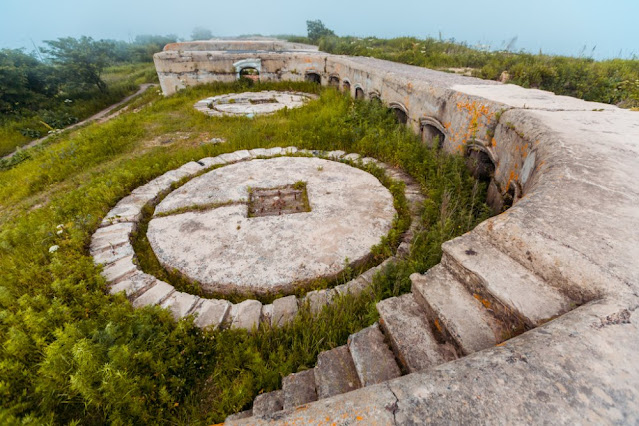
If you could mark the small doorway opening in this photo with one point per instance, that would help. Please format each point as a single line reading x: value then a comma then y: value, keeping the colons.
x: 313, y: 77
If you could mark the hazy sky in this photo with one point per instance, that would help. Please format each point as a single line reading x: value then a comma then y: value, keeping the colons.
x: 555, y: 26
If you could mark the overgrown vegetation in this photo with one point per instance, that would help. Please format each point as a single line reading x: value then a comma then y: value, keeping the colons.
x: 614, y: 81
x: 67, y: 82
x: 72, y: 354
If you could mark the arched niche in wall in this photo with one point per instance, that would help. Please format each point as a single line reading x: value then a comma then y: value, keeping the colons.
x: 346, y: 86
x: 333, y: 80
x: 375, y: 96
x: 359, y: 92
x: 433, y: 132
x: 480, y: 161
x: 248, y: 67
x: 313, y: 77
x: 400, y: 111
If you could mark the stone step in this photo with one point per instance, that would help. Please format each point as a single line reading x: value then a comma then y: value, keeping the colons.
x: 502, y: 281
x: 268, y: 403
x: 454, y: 312
x: 406, y: 325
x: 335, y: 373
x: 299, y: 389
x: 373, y: 359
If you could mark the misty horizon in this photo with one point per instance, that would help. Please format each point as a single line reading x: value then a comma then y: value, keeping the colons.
x: 572, y: 28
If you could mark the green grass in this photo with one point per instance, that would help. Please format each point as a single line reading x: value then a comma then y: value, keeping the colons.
x: 73, y: 354
x: 122, y: 81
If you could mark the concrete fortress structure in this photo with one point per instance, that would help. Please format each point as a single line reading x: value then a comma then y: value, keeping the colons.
x: 563, y: 258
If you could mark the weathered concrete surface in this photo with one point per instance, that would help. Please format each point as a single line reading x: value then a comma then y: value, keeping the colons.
x: 226, y: 251
x: 251, y: 103
x: 571, y: 170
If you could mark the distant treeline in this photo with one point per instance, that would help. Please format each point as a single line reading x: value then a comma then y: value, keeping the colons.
x: 65, y: 68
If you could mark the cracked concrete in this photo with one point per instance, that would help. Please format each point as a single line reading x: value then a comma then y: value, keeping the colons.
x: 225, y: 250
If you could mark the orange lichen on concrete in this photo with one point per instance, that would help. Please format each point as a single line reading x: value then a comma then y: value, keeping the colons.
x: 479, y: 114
x: 483, y: 301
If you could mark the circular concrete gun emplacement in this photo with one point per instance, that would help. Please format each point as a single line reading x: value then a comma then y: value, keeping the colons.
x: 251, y: 103
x: 267, y: 218
x: 269, y: 226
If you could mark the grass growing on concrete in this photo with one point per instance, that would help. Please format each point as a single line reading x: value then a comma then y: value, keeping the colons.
x: 381, y: 251
x: 73, y: 354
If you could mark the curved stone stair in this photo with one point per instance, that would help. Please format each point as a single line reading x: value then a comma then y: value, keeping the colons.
x: 475, y: 298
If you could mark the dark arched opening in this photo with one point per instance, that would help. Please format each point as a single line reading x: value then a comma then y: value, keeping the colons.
x: 480, y: 164
x: 432, y: 136
x: 400, y: 115
x: 346, y: 87
x: 333, y: 81
x: 359, y: 93
x: 250, y: 73
x: 313, y: 77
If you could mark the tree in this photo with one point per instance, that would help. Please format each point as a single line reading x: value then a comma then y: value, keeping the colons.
x: 82, y: 60
x: 24, y: 81
x: 316, y: 30
x: 200, y: 33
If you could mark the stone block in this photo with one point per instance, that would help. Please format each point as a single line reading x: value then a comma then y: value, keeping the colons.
x: 212, y: 312
x: 410, y: 335
x: 154, y: 295
x: 335, y: 373
x: 374, y: 361
x: 284, y: 310
x: 246, y: 315
x: 119, y: 269
x: 180, y: 304
x: 268, y: 403
x: 299, y: 388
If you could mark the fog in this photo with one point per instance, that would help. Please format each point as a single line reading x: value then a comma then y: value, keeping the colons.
x: 589, y: 28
